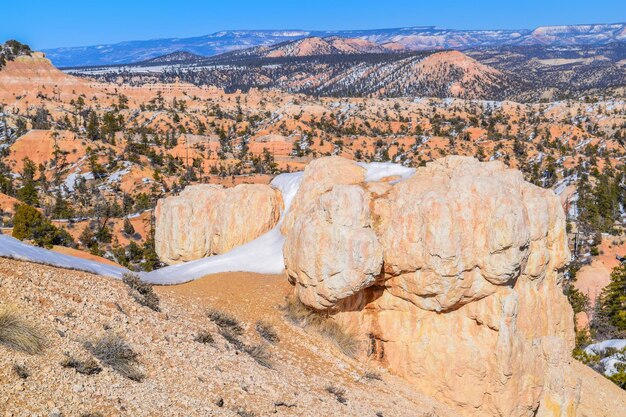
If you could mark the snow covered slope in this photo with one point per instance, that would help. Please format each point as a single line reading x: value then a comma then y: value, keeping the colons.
x: 13, y: 248
x: 611, y: 352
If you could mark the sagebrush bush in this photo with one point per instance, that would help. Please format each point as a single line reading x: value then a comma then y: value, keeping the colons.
x: 114, y: 352
x: 225, y: 321
x: 267, y: 331
x: 302, y: 316
x: 18, y: 334
x: 338, y: 392
x: 142, y: 292
x: 86, y: 367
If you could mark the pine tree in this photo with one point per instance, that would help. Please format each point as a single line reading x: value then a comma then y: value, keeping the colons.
x: 128, y: 228
x: 93, y: 126
x: 61, y: 208
x: 151, y: 259
x: 612, y: 302
x: 28, y: 193
x: 29, y: 223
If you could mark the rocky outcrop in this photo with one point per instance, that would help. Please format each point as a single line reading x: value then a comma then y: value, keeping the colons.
x: 320, y: 176
x: 451, y: 276
x: 335, y: 252
x: 208, y: 220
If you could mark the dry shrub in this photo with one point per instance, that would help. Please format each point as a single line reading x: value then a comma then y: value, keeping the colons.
x: 372, y: 376
x: 142, y: 292
x: 225, y: 322
x: 114, y: 352
x: 232, y: 338
x: 304, y: 317
x: 339, y: 393
x: 267, y: 331
x: 204, y: 337
x: 86, y: 367
x: 231, y: 329
x: 260, y: 354
x: 18, y: 334
x: 21, y: 371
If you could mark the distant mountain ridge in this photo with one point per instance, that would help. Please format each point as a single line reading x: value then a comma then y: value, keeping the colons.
x: 356, y: 68
x: 411, y: 38
x: 315, y: 46
x: 313, y: 67
x: 174, y: 57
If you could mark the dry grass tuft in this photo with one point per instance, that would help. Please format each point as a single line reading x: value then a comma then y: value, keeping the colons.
x: 260, y: 354
x: 142, y: 292
x: 304, y: 317
x: 267, y: 331
x: 372, y: 376
x: 87, y: 367
x: 114, y: 352
x: 225, y: 322
x: 339, y: 393
x: 21, y: 371
x: 17, y: 334
x: 232, y: 338
x: 204, y: 337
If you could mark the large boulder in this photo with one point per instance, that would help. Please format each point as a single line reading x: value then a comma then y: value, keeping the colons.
x: 451, y: 276
x: 347, y: 256
x: 207, y: 220
x: 319, y: 177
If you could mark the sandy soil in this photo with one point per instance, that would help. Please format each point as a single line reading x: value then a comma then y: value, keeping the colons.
x: 592, y: 278
x: 182, y: 376
x: 82, y: 254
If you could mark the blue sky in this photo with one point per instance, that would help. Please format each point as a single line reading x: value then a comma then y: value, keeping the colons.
x: 46, y: 24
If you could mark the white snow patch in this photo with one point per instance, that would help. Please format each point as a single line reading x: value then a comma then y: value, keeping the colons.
x: 611, y: 362
x: 598, y: 348
x: 13, y: 248
x: 70, y: 181
x: 379, y: 170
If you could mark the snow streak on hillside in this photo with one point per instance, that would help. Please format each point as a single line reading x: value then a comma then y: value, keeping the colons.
x: 14, y: 249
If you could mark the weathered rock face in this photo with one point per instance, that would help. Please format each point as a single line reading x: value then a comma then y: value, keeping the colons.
x: 208, y: 220
x: 347, y: 254
x: 451, y: 276
x: 320, y: 176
